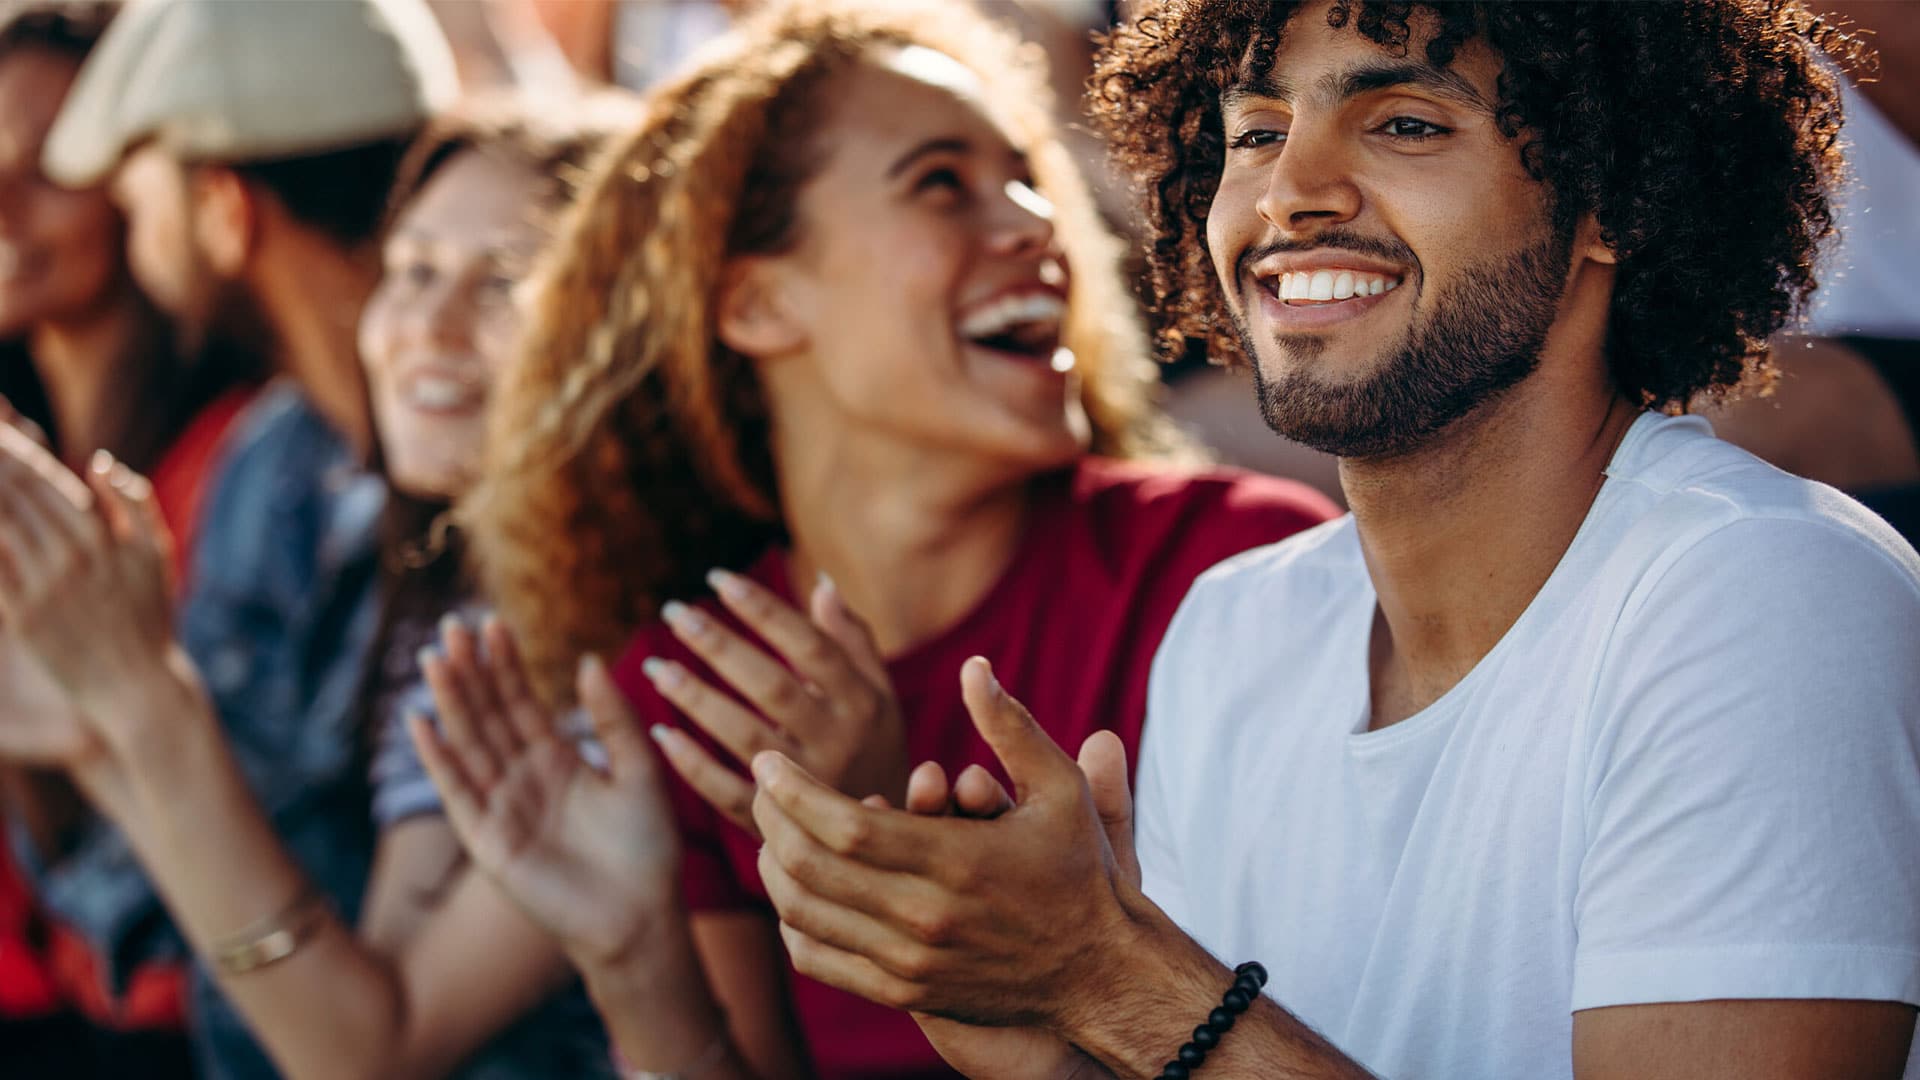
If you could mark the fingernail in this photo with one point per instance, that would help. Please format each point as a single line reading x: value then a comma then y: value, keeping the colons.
x: 661, y: 733
x: 450, y: 623
x: 683, y: 618
x: 727, y: 585
x: 426, y: 655
x: 662, y: 674
x: 591, y: 664
x: 824, y: 581
x: 102, y: 462
x: 765, y: 764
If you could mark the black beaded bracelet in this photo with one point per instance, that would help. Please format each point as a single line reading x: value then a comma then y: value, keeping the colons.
x: 1248, y: 978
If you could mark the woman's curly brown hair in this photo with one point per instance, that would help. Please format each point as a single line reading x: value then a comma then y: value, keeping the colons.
x: 629, y: 449
x: 1700, y: 134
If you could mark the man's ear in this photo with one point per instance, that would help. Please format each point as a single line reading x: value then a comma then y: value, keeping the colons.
x: 226, y: 218
x: 754, y: 312
x: 1588, y: 243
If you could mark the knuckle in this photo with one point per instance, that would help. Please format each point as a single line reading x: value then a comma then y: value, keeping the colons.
x: 917, y: 965
x: 932, y: 926
x: 784, y: 696
x: 853, y: 837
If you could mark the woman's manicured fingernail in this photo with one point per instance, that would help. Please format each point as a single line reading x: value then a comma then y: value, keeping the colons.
x: 683, y: 618
x: 662, y: 734
x: 426, y: 655
x: 661, y: 673
x: 450, y: 623
x: 824, y: 581
x: 731, y: 586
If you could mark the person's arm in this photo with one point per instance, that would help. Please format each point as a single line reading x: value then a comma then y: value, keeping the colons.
x: 1031, y: 919
x: 86, y: 591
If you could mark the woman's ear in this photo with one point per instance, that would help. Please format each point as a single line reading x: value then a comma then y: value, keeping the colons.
x: 755, y: 317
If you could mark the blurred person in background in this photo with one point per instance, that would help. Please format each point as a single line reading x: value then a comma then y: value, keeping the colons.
x: 409, y: 994
x: 92, y: 365
x: 838, y: 330
x: 1846, y: 407
x: 252, y: 148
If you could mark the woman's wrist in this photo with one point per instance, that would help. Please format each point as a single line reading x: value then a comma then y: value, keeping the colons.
x: 653, y: 993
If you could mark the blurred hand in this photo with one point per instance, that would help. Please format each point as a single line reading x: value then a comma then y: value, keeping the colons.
x: 84, y: 583
x: 12, y: 417
x: 996, y: 923
x: 592, y: 856
x: 833, y: 712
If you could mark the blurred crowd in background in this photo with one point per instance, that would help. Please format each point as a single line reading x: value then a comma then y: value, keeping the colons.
x: 280, y: 259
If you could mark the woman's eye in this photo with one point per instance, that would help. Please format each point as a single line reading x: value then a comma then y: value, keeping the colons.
x: 1408, y: 127
x: 941, y: 180
x: 418, y: 274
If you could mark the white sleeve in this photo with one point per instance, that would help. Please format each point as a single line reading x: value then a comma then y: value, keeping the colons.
x: 1753, y: 803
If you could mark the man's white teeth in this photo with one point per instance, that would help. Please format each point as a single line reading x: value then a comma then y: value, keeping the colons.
x: 1333, y: 284
x: 1001, y: 316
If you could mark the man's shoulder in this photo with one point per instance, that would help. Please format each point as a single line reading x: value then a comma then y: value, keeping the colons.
x: 1698, y: 498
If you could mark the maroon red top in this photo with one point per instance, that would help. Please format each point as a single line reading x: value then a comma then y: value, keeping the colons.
x: 1071, y: 628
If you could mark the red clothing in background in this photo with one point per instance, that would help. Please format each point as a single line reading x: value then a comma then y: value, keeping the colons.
x: 45, y: 968
x: 1071, y: 628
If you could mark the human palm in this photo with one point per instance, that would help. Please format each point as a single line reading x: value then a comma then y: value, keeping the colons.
x: 590, y: 853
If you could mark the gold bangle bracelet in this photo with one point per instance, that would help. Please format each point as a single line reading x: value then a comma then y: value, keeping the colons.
x: 274, y: 939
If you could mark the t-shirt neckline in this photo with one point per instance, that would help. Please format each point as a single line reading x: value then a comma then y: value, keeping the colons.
x: 1448, y: 705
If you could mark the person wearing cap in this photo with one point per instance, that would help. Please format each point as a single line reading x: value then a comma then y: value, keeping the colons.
x: 252, y: 147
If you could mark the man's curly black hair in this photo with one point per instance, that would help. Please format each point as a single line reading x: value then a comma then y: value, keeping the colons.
x: 1701, y: 134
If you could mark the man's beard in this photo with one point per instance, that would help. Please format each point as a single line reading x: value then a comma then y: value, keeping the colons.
x: 234, y: 323
x: 1482, y: 339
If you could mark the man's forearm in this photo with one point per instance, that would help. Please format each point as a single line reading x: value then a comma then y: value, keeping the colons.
x: 1163, y: 986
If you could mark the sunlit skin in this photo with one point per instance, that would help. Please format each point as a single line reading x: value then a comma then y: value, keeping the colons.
x: 440, y: 328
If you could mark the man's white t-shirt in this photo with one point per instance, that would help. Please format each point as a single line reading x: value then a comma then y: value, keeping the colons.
x: 1689, y: 771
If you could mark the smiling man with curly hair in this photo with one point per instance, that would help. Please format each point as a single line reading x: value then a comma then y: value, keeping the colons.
x: 1588, y: 745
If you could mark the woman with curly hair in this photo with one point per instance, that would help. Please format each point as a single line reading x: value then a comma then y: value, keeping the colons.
x: 1585, y: 746
x: 835, y: 331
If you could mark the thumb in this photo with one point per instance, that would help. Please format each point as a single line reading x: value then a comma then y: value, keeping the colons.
x: 831, y: 614
x: 1103, y: 758
x: 1030, y: 756
x: 614, y: 724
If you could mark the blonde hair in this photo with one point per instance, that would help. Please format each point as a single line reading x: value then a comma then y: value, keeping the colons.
x: 629, y: 448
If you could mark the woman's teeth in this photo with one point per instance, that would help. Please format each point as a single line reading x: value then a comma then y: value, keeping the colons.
x: 434, y: 393
x: 1332, y: 285
x: 1001, y: 316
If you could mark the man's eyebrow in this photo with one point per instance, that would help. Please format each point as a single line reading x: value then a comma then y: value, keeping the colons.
x: 1442, y: 82
x: 1341, y: 86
